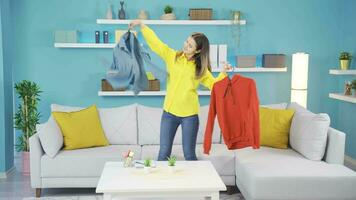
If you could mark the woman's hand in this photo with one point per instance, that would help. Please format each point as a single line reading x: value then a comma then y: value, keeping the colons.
x: 227, y: 67
x: 135, y: 23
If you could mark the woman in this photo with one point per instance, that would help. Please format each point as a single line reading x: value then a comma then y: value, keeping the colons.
x: 186, y: 70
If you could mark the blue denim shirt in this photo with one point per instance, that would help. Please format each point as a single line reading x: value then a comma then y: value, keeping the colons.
x: 128, y: 67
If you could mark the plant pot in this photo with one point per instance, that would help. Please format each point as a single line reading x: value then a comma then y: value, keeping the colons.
x: 147, y: 170
x: 169, y: 16
x: 344, y: 64
x: 172, y: 169
x: 25, y: 163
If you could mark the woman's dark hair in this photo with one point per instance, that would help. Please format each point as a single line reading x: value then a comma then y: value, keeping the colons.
x: 201, y: 58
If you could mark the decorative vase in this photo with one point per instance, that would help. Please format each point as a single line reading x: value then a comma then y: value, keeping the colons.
x: 122, y: 11
x: 236, y: 17
x: 142, y: 15
x: 348, y: 88
x: 109, y: 14
x: 344, y: 64
x: 128, y: 162
x: 169, y: 16
x: 25, y: 163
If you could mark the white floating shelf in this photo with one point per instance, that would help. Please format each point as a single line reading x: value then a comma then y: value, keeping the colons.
x: 255, y: 69
x: 143, y: 93
x: 342, y: 72
x: 172, y: 22
x: 85, y: 45
x: 342, y: 97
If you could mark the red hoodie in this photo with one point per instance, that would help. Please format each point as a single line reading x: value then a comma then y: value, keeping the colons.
x: 236, y: 103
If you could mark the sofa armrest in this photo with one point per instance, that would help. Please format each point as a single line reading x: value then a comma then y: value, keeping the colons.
x: 36, y: 152
x: 335, y: 147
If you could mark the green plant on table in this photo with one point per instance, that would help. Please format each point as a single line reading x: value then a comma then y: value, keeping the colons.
x: 147, y: 162
x: 172, y: 161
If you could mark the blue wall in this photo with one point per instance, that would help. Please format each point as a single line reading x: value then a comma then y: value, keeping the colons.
x: 6, y: 100
x: 72, y: 76
x: 346, y: 111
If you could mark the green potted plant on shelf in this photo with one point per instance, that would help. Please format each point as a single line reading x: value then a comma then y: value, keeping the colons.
x: 354, y: 86
x: 345, y: 60
x: 147, y: 163
x: 172, y: 163
x: 168, y: 13
x: 26, y: 118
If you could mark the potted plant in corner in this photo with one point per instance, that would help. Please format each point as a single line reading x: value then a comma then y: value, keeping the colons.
x: 354, y: 86
x: 26, y: 118
x: 147, y: 165
x: 172, y: 163
x: 169, y: 15
x: 345, y: 60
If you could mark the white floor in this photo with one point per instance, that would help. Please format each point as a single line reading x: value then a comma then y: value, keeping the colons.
x: 18, y: 187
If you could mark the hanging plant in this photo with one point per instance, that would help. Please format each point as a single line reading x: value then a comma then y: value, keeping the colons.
x: 27, y: 117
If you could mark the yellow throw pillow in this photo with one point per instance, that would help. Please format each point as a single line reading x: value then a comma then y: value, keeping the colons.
x: 274, y: 127
x: 81, y: 129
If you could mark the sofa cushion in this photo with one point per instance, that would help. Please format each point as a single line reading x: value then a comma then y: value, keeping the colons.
x: 84, y: 162
x: 149, y: 122
x: 308, y: 134
x: 269, y: 173
x: 81, y: 129
x: 222, y: 158
x: 275, y: 126
x: 119, y: 123
x: 50, y: 136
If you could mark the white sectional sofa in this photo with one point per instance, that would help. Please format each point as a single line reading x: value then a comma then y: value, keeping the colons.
x: 262, y: 174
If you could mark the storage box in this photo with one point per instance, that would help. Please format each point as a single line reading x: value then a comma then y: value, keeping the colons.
x: 213, y: 55
x: 273, y: 60
x: 153, y: 85
x: 106, y: 86
x: 200, y: 13
x: 245, y: 61
x: 222, y: 55
x: 72, y: 36
x: 66, y: 36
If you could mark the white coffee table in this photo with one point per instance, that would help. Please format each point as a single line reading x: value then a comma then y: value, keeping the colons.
x: 190, y: 179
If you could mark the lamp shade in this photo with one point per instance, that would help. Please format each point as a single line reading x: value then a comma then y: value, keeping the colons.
x: 300, y: 71
x: 299, y: 91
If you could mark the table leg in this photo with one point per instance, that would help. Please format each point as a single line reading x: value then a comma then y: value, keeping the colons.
x: 107, y: 196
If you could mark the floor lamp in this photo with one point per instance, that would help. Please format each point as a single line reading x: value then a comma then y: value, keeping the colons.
x: 299, y: 90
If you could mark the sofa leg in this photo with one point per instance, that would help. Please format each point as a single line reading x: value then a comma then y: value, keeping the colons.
x: 38, y: 192
x: 232, y: 189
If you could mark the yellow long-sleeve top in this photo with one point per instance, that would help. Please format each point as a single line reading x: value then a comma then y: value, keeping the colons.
x: 182, y: 97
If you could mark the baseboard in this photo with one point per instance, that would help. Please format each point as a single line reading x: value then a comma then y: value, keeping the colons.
x: 350, y: 163
x: 4, y: 175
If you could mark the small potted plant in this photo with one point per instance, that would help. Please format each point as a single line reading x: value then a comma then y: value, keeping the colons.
x: 147, y: 165
x: 172, y: 163
x: 354, y: 86
x: 345, y: 60
x: 169, y: 15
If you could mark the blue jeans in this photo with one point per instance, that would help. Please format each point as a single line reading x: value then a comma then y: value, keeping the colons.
x: 169, y: 125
